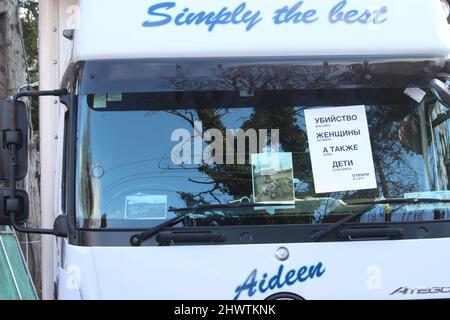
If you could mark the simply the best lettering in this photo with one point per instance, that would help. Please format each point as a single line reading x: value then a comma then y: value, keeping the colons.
x: 300, y: 12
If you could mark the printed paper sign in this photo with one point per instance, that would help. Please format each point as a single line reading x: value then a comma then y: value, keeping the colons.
x: 273, y: 178
x: 340, y: 149
x: 146, y: 207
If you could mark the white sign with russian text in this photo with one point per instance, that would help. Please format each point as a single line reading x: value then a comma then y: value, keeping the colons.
x: 340, y: 149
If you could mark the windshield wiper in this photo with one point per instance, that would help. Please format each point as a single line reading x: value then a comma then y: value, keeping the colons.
x: 137, y: 239
x: 369, y: 206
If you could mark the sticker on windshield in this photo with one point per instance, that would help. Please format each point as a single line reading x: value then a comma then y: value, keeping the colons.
x: 99, y: 101
x: 341, y: 154
x: 416, y: 94
x: 146, y: 207
x: 273, y: 178
x: 114, y: 97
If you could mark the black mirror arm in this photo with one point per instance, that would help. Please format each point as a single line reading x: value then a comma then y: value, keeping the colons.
x: 22, y: 94
x: 30, y: 230
x: 45, y: 93
x: 12, y: 145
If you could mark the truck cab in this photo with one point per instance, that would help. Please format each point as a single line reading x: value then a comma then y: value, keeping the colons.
x: 251, y: 150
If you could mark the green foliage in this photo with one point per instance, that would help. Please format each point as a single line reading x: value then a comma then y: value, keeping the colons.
x: 29, y: 15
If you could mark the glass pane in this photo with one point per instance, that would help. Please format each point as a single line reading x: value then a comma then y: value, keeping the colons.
x: 139, y: 155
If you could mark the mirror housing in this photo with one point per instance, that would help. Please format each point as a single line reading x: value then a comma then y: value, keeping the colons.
x: 18, y: 137
x: 20, y: 206
x: 14, y: 204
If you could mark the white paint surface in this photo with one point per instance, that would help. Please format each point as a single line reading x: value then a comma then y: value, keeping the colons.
x: 353, y: 270
x: 114, y: 29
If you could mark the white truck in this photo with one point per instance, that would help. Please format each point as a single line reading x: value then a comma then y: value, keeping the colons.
x: 237, y: 149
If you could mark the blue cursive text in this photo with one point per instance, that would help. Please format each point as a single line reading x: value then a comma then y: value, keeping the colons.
x: 163, y: 13
x: 286, y: 15
x: 339, y: 14
x: 252, y: 285
x: 240, y: 15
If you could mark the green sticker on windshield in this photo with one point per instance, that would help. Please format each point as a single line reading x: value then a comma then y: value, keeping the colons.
x: 99, y: 101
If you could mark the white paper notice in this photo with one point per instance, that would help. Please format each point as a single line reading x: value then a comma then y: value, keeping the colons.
x: 340, y: 149
x: 146, y: 207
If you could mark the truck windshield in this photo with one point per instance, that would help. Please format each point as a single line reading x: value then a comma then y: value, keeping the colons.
x: 141, y: 155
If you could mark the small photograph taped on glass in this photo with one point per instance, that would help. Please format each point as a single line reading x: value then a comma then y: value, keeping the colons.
x: 150, y: 207
x: 273, y: 178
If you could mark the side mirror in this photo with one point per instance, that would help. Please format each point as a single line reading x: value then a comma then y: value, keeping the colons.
x: 441, y: 92
x: 19, y: 137
x: 14, y: 163
x: 20, y: 206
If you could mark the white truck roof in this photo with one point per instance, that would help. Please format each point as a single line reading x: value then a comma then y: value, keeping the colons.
x: 124, y: 29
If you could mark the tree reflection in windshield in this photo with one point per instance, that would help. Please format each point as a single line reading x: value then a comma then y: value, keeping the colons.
x: 409, y: 156
x: 396, y: 173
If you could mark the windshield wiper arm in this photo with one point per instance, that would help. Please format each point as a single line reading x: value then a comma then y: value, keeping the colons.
x: 137, y: 239
x: 370, y: 205
x: 335, y: 226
